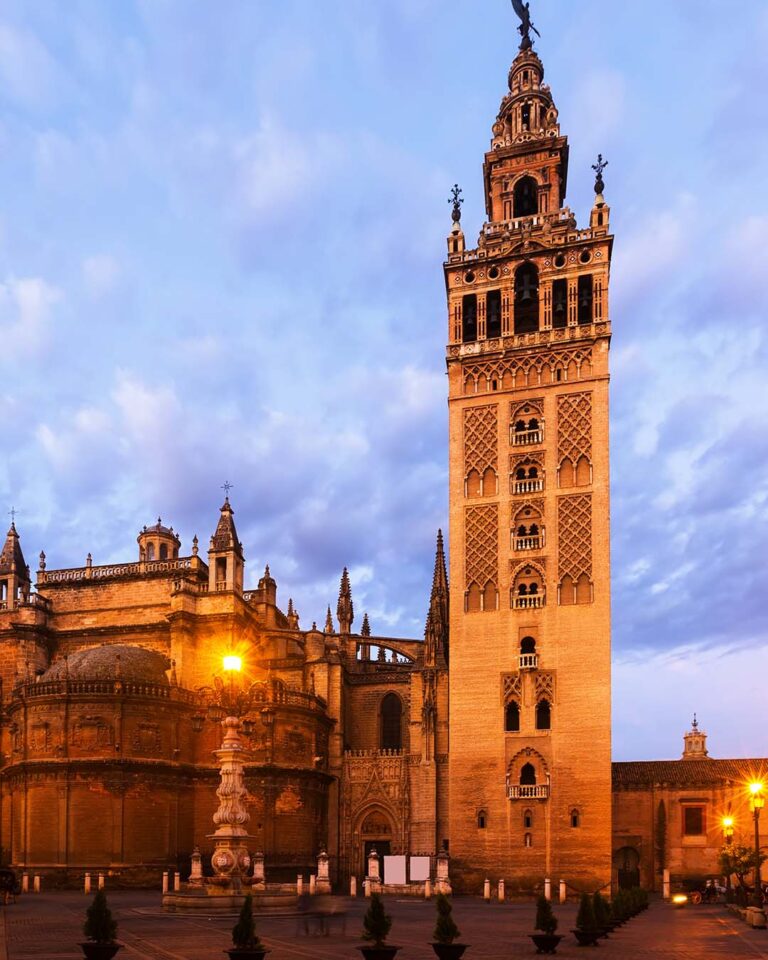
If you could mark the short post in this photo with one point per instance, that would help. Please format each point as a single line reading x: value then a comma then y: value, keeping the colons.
x: 366, y: 888
x: 25, y: 883
x: 312, y: 884
x: 665, y: 885
x: 196, y: 871
x: 100, y: 882
x: 323, y: 880
x: 353, y: 886
x: 487, y: 890
x: 165, y: 881
x: 259, y: 878
x: 563, y: 891
x: 548, y: 888
x: 87, y: 883
x: 37, y: 883
x: 442, y: 878
x: 501, y: 891
x: 176, y: 882
x: 427, y: 889
x: 299, y: 884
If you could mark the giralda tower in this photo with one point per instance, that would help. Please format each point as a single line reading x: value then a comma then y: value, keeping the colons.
x: 530, y: 674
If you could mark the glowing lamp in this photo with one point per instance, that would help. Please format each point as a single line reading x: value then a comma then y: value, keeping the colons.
x: 233, y: 663
x: 727, y: 822
x: 680, y: 899
x: 758, y: 800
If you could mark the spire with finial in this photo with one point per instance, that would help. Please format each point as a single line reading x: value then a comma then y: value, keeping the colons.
x: 365, y: 630
x: 292, y: 616
x: 329, y: 621
x: 695, y: 742
x: 345, y: 611
x: 436, y: 629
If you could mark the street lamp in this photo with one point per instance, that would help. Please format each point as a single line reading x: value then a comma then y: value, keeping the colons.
x: 727, y: 822
x: 757, y: 802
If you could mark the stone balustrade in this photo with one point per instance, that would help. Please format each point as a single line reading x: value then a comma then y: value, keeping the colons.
x: 528, y: 486
x: 529, y: 661
x: 525, y: 438
x: 520, y: 791
x: 531, y: 601
x: 528, y: 543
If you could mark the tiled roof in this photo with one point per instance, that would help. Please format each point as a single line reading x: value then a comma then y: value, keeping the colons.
x: 686, y: 772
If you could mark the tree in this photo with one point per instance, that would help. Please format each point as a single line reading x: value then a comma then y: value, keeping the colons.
x: 585, y: 918
x: 376, y: 922
x: 602, y: 910
x: 738, y: 860
x: 446, y: 930
x: 545, y: 917
x: 244, y: 932
x: 99, y: 924
x: 661, y: 836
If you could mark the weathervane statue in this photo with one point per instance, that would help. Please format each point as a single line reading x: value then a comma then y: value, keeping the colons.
x: 523, y: 11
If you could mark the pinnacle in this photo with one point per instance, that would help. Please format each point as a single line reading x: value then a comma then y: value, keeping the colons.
x: 365, y: 630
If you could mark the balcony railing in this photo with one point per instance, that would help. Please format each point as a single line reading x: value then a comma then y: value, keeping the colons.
x: 529, y: 661
x: 31, y: 600
x: 519, y: 791
x: 525, y: 438
x: 529, y: 543
x: 528, y: 601
x: 528, y: 486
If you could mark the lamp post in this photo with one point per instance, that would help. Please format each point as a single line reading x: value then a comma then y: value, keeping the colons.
x: 757, y: 804
x: 228, y: 703
x: 728, y: 834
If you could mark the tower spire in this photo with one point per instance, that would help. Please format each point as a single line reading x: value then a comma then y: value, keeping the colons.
x: 345, y: 611
x: 436, y: 629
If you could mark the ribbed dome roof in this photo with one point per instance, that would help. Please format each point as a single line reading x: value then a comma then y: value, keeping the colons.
x: 101, y: 663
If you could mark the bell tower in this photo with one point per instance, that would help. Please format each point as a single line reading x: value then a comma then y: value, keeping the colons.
x: 530, y: 674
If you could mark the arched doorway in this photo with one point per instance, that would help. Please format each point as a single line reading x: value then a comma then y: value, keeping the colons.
x: 375, y: 831
x: 626, y: 862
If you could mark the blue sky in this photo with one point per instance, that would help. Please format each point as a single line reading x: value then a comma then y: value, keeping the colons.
x: 221, y: 235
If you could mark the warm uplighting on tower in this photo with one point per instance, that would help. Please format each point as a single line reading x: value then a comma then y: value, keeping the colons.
x: 233, y: 663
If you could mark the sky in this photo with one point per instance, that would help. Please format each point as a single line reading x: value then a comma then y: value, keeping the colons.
x: 221, y: 234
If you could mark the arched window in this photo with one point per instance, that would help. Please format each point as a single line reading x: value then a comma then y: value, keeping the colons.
x: 575, y: 819
x: 469, y: 318
x: 528, y: 775
x: 512, y: 718
x: 526, y: 203
x: 482, y: 819
x: 586, y: 298
x: 528, y: 819
x: 391, y: 722
x: 583, y: 589
x: 150, y: 551
x: 560, y: 303
x: 527, y: 299
x: 526, y: 116
x: 493, y: 314
x: 527, y: 645
x: 543, y: 715
x: 528, y: 840
x: 163, y: 551
x: 474, y: 604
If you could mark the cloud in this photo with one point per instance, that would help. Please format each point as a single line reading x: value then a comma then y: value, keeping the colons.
x: 28, y: 72
x: 26, y: 313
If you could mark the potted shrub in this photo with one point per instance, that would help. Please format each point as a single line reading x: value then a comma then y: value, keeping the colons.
x: 376, y: 927
x: 602, y: 911
x: 619, y: 908
x: 247, y: 945
x: 100, y: 929
x: 545, y: 939
x: 586, y: 931
x: 446, y: 931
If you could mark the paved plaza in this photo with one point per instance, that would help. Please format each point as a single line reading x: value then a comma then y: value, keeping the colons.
x: 49, y: 926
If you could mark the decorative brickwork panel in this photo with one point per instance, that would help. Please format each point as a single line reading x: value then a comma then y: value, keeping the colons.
x: 574, y: 427
x: 512, y: 688
x: 516, y: 372
x: 574, y: 525
x: 481, y: 439
x: 545, y: 686
x: 482, y: 545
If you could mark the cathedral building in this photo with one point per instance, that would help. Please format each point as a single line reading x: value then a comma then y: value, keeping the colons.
x: 489, y: 737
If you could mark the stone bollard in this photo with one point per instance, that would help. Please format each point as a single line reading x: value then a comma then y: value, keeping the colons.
x: 323, y: 881
x: 87, y: 883
x: 259, y: 878
x: 196, y: 869
x: 427, y: 889
x: 665, y: 885
x: 442, y: 877
x: 548, y: 888
x: 501, y: 891
x: 25, y: 883
x: 165, y: 881
x: 353, y: 886
x: 299, y: 884
x: 36, y: 883
x: 563, y: 891
x: 487, y: 890
x: 367, y: 888
x: 100, y: 882
x: 176, y: 882
x: 312, y: 884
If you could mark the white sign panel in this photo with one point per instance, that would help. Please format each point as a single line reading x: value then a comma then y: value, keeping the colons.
x: 419, y: 867
x: 394, y: 870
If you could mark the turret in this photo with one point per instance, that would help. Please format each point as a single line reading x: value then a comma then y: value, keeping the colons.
x: 695, y: 743
x: 14, y: 573
x: 158, y: 543
x: 225, y: 555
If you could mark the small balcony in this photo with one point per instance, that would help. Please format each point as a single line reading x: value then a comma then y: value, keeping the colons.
x: 528, y: 601
x: 526, y: 438
x: 519, y: 791
x: 529, y: 661
x: 529, y: 543
x: 535, y: 485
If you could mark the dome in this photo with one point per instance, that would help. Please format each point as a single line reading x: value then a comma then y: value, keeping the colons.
x: 100, y: 663
x: 159, y: 529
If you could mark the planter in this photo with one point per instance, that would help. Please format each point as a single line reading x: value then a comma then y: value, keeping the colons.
x: 545, y: 942
x: 382, y: 952
x: 99, y: 951
x: 449, y: 951
x: 586, y: 938
x: 239, y: 953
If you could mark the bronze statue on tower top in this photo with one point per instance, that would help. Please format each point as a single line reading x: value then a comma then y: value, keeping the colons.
x: 523, y: 11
